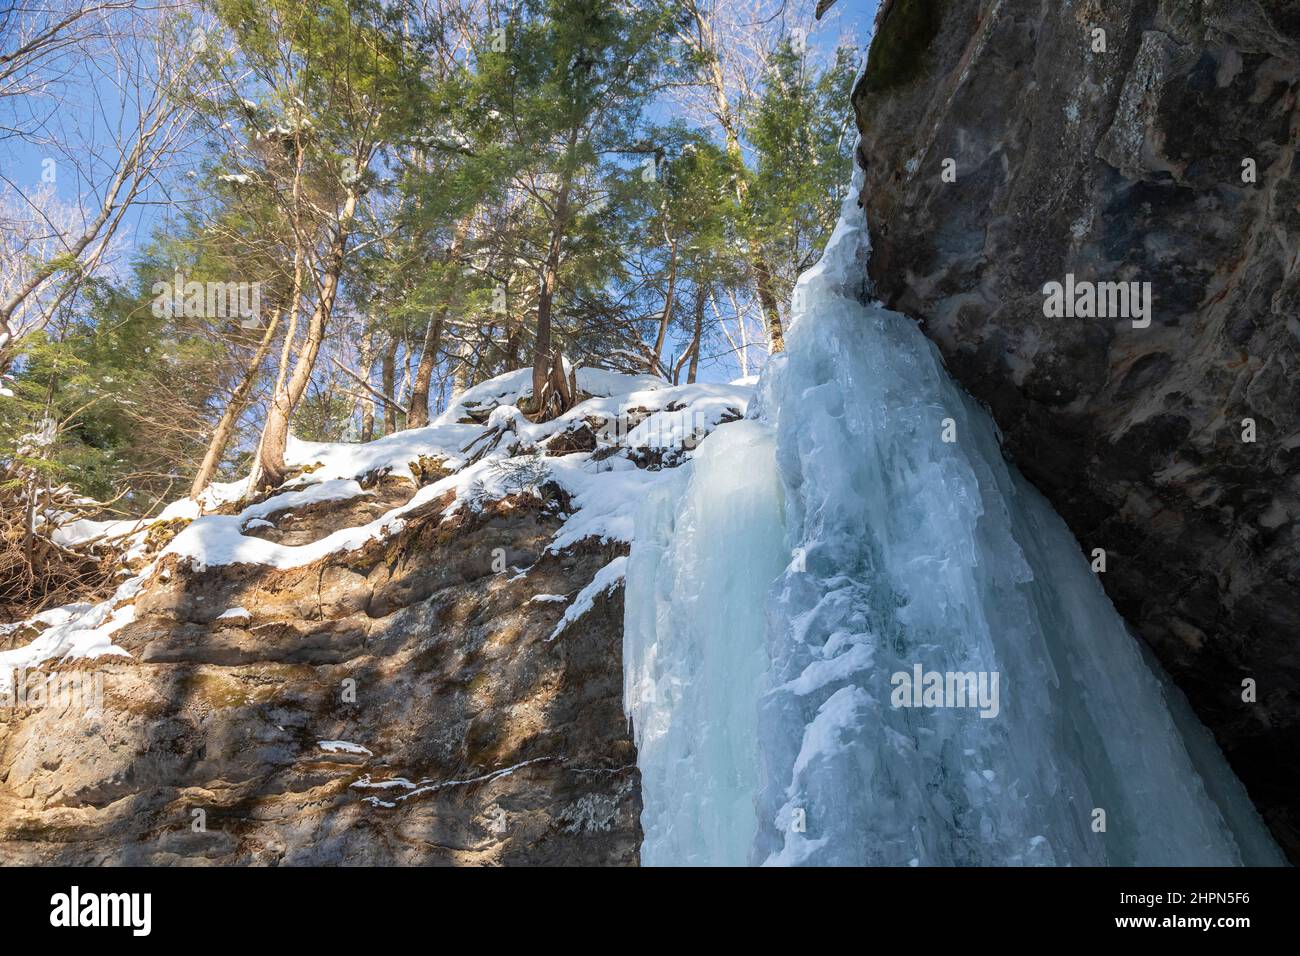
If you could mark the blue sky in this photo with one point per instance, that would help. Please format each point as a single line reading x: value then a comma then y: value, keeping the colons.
x: 93, y: 110
x: 21, y: 162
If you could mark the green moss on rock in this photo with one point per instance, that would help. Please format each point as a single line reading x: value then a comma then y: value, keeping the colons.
x: 899, y: 48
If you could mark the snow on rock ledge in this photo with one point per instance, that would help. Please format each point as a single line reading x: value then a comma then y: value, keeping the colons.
x: 639, y: 424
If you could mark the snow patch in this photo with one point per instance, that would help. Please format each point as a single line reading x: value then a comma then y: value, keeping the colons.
x: 606, y: 579
x: 343, y: 747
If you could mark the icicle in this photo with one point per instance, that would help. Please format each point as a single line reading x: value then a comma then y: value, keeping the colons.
x: 706, y: 547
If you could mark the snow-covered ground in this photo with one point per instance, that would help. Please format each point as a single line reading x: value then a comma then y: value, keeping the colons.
x: 628, y: 415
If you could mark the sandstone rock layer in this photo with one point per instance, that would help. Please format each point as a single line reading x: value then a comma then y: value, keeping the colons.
x: 399, y: 704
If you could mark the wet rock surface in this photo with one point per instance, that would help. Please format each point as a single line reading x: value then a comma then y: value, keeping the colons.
x: 1169, y: 157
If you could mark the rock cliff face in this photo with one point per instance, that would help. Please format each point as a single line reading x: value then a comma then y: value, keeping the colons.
x: 1131, y: 141
x: 411, y: 653
x: 396, y: 704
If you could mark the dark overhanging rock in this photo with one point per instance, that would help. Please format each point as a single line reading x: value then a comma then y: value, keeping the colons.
x: 1171, y: 158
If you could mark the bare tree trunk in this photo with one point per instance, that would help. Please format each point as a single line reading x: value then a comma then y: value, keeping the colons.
x: 256, y: 474
x: 405, y: 388
x: 460, y: 380
x: 234, y: 408
x: 388, y: 376
x: 365, y: 402
x: 548, y: 388
x: 700, y: 296
x: 516, y: 322
x: 417, y: 415
x: 762, y: 272
x: 656, y: 360
x: 767, y: 300
x: 744, y: 334
x: 512, y: 360
x: 271, y: 471
x: 417, y: 412
x: 542, y: 358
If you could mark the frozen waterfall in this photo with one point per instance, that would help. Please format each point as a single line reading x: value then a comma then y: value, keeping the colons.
x: 855, y: 635
x: 707, y: 545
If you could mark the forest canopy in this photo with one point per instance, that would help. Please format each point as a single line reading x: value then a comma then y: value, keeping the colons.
x: 225, y: 222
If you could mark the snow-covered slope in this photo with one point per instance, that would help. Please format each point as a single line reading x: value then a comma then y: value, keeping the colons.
x: 631, y: 424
